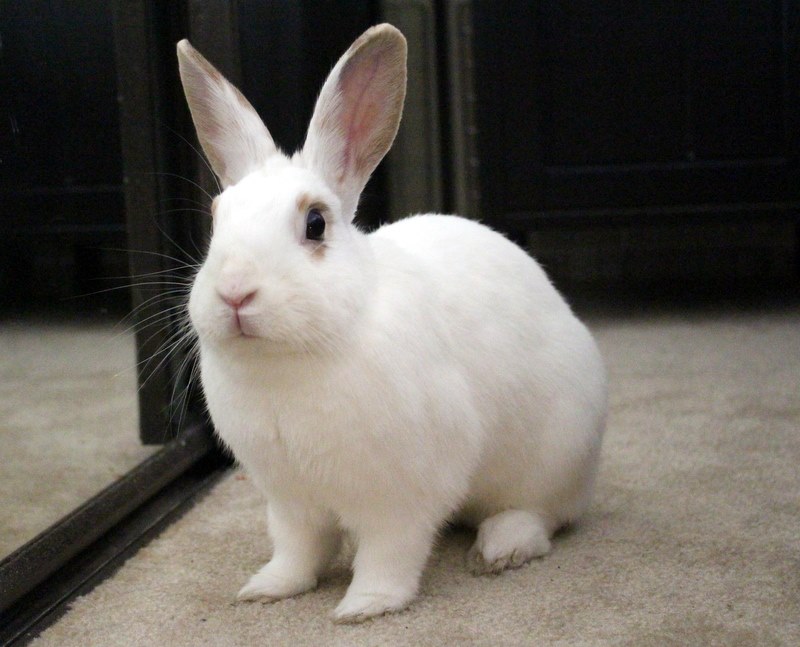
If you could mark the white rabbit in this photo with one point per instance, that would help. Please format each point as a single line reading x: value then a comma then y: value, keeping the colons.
x: 381, y: 384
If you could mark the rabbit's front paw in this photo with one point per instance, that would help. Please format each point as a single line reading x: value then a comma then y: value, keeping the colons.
x: 360, y: 606
x: 271, y: 584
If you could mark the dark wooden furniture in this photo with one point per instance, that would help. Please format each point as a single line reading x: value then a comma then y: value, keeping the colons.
x: 636, y: 110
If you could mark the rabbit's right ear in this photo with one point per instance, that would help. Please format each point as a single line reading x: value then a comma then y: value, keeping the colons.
x: 234, y: 138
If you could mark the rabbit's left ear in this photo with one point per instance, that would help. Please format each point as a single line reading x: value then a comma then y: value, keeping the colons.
x: 358, y: 112
x: 234, y: 138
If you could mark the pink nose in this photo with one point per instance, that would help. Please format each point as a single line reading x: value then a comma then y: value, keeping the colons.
x: 238, y: 300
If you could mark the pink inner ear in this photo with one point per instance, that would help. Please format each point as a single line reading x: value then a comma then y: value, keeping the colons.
x: 363, y: 92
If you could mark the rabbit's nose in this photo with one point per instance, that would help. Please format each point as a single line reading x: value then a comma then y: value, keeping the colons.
x: 235, y: 284
x: 237, y: 299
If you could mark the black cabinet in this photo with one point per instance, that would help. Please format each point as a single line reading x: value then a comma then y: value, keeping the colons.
x: 635, y: 109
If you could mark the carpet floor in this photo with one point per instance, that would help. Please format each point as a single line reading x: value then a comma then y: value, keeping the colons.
x: 693, y: 537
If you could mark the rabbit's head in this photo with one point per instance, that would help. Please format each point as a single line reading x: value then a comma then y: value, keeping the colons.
x: 285, y: 264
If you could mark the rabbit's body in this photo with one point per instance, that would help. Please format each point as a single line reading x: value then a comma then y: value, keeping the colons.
x: 383, y: 383
x: 496, y: 415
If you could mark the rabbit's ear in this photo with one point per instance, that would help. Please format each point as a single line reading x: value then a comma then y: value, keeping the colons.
x: 230, y: 131
x: 358, y: 112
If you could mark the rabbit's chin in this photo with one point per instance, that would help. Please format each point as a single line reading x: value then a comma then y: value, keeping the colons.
x: 257, y: 343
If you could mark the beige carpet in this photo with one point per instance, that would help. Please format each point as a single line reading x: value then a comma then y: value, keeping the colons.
x: 68, y: 419
x: 694, y: 537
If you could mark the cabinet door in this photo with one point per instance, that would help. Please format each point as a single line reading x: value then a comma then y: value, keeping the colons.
x: 629, y: 107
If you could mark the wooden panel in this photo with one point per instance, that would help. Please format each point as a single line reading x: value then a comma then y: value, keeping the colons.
x: 415, y: 161
x: 586, y: 106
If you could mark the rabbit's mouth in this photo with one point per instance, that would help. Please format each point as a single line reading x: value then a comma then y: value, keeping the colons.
x: 244, y: 325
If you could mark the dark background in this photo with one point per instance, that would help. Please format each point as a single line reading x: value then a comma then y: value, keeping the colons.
x: 624, y: 142
x: 61, y: 198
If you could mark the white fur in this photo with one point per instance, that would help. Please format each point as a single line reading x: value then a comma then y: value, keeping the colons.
x: 386, y: 383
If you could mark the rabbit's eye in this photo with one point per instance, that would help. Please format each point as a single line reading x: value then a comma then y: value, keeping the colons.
x: 315, y: 224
